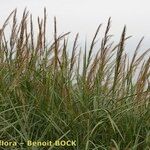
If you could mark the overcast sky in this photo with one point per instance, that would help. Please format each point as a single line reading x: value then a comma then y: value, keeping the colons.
x: 84, y: 16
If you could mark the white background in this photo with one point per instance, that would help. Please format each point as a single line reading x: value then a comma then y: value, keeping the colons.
x: 84, y: 16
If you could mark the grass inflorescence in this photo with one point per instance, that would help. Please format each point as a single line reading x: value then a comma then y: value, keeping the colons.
x: 50, y: 92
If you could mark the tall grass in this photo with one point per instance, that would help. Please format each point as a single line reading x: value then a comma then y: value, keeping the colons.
x: 100, y: 100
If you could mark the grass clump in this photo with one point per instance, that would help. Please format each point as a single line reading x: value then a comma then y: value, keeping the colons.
x: 100, y: 99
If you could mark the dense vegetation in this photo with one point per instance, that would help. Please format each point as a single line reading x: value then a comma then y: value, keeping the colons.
x: 100, y: 98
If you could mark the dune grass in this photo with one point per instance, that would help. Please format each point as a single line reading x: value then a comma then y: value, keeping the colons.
x: 100, y: 98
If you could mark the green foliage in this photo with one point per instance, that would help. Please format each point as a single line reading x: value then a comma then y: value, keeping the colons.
x: 102, y: 100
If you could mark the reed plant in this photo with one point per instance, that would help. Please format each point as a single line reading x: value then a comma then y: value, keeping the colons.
x: 96, y: 95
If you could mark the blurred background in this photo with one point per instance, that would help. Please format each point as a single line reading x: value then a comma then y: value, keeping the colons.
x: 84, y: 16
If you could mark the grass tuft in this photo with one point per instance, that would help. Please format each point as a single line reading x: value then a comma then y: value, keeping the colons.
x: 48, y: 92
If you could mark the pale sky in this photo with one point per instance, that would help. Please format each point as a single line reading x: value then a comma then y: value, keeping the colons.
x: 84, y: 16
